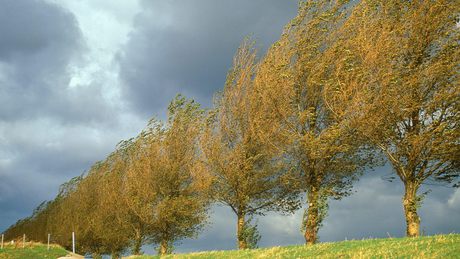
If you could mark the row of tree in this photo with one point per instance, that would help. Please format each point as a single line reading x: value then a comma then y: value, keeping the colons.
x: 348, y: 85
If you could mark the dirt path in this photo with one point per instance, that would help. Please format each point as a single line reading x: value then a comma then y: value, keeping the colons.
x: 72, y: 256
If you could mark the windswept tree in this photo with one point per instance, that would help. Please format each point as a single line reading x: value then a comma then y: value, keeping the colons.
x: 396, y: 75
x: 73, y: 214
x: 36, y: 226
x: 93, y: 206
x: 116, y: 200
x: 110, y: 218
x: 246, y: 177
x: 165, y: 183
x: 88, y: 207
x: 324, y: 157
x: 76, y: 214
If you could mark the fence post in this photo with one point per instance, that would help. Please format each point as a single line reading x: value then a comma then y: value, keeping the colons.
x: 49, y: 241
x: 2, y: 240
x: 73, y: 242
x: 24, y: 241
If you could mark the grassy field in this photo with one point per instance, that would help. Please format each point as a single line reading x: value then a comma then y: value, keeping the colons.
x: 32, y: 251
x: 441, y: 246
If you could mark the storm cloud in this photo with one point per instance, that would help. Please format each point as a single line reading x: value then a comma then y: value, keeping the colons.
x: 52, y: 126
x: 187, y: 46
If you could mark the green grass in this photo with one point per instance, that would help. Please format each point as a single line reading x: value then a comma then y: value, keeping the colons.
x: 35, y: 251
x: 440, y: 246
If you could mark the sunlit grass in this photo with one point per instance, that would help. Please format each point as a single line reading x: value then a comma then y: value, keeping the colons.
x: 32, y: 251
x: 439, y: 246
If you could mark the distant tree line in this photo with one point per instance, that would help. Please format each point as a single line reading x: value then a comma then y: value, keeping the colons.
x: 349, y: 86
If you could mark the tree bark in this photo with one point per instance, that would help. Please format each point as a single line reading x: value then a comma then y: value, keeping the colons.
x: 410, y: 209
x: 312, y: 224
x: 163, y: 247
x: 137, y: 243
x: 239, y: 232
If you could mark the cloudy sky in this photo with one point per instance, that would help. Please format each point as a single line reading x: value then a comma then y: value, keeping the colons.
x: 77, y: 76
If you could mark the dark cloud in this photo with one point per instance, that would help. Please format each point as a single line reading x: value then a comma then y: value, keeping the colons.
x: 187, y: 46
x: 41, y: 45
x: 37, y: 42
x: 39, y: 155
x: 49, y: 132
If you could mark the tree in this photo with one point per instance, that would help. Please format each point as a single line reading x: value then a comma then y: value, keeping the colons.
x: 165, y: 184
x: 75, y: 214
x: 34, y: 226
x: 88, y: 208
x: 110, y: 218
x: 246, y: 177
x: 324, y: 156
x: 152, y: 188
x: 118, y: 199
x: 396, y: 77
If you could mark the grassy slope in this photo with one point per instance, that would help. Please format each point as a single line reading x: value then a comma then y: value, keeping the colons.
x: 36, y: 251
x: 441, y: 246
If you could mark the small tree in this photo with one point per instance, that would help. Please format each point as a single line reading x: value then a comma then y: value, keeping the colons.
x: 250, y: 234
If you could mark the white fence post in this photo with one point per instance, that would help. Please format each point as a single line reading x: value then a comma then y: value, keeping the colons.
x: 49, y: 241
x: 24, y: 241
x: 73, y: 242
x: 2, y: 240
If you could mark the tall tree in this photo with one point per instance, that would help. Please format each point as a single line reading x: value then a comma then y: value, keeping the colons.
x: 35, y: 226
x: 86, y: 207
x: 396, y: 73
x: 72, y: 214
x: 246, y: 177
x: 119, y: 199
x: 77, y: 212
x: 165, y: 182
x: 111, y: 208
x: 324, y: 156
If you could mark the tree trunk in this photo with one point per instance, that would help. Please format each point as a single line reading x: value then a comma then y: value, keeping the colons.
x: 137, y: 244
x: 312, y: 224
x: 240, y: 232
x: 410, y: 209
x: 163, y: 247
x: 115, y: 255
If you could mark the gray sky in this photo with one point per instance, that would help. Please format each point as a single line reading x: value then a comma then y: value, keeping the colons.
x: 77, y: 76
